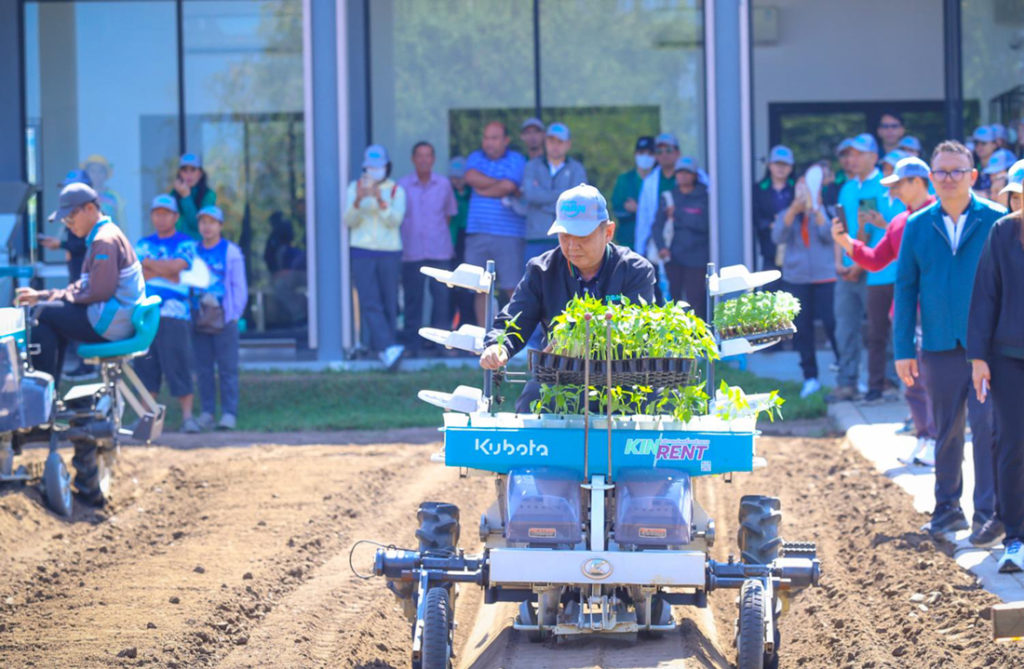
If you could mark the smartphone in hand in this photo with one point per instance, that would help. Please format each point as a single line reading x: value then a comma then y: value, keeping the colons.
x: 841, y: 215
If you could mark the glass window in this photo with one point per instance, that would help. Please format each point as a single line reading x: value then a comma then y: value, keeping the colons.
x: 993, y: 66
x: 244, y: 116
x: 101, y: 95
x: 614, y: 70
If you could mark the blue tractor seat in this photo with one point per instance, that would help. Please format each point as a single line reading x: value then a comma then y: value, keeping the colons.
x: 145, y: 318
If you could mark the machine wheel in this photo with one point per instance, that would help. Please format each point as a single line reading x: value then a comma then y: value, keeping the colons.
x: 437, y: 638
x: 92, y: 471
x: 758, y: 536
x: 439, y: 527
x: 750, y: 630
x: 57, y: 484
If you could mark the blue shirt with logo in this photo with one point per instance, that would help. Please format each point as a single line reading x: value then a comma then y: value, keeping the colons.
x: 216, y: 259
x: 850, y: 196
x: 487, y: 215
x: 174, y: 295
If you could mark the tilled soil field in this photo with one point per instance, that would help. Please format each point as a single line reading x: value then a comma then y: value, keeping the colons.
x: 236, y: 554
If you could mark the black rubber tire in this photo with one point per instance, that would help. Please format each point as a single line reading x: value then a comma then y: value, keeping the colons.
x: 758, y: 536
x: 439, y: 527
x: 437, y: 644
x: 88, y: 473
x: 57, y: 485
x: 750, y: 630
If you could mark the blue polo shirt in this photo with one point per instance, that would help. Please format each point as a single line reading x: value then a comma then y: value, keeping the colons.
x: 852, y: 192
x: 487, y: 215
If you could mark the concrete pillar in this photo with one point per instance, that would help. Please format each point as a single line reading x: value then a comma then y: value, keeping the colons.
x: 12, y: 121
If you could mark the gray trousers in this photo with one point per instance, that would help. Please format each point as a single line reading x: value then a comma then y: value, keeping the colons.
x: 951, y: 392
x: 850, y: 306
x: 220, y: 350
x: 376, y: 279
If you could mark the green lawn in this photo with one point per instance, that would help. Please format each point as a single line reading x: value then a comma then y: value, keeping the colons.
x: 286, y: 402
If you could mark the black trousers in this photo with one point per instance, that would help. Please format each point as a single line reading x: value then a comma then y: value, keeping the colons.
x: 58, y: 326
x: 953, y: 400
x: 767, y: 247
x: 815, y: 304
x: 879, y: 330
x: 412, y: 287
x: 688, y: 283
x: 1007, y: 381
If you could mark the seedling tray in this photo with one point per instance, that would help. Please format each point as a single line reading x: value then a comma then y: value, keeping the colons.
x: 769, y: 337
x: 555, y: 369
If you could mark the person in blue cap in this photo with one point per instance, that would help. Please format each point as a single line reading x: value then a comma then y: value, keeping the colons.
x: 585, y: 262
x: 191, y: 192
x: 164, y: 256
x: 995, y: 170
x: 544, y: 179
x: 910, y: 145
x: 774, y: 193
x: 985, y: 144
x: 682, y: 233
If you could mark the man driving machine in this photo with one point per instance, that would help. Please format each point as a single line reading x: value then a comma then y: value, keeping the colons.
x: 98, y: 307
x: 585, y: 262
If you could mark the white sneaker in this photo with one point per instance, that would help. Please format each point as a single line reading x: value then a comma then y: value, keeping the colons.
x: 918, y: 449
x: 391, y: 355
x: 811, y: 386
x: 227, y: 422
x: 927, y: 456
x: 1012, y: 559
x: 206, y: 421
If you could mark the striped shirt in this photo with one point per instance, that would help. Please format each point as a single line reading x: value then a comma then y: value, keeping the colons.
x: 487, y: 215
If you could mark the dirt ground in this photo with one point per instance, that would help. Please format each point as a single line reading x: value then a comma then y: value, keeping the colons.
x: 236, y: 554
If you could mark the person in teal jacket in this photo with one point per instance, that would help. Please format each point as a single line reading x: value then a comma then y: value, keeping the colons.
x: 192, y: 193
x: 935, y: 272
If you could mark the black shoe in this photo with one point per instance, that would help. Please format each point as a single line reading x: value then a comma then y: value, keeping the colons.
x: 987, y: 534
x: 873, y: 396
x: 946, y: 520
x: 83, y: 371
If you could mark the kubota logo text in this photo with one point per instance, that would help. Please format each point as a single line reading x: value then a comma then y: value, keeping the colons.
x: 506, y: 447
x: 668, y: 449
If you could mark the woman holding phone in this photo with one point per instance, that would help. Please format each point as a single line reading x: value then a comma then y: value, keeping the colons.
x: 995, y: 347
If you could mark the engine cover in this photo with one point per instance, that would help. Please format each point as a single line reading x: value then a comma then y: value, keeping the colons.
x: 543, y: 507
x: 653, y: 508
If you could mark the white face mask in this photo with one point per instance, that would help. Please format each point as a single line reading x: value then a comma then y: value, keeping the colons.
x: 376, y: 173
x: 644, y: 161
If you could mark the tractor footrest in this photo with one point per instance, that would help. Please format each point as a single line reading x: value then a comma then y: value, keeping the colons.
x: 807, y: 549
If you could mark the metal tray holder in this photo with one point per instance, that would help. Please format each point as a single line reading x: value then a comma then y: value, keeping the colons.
x: 769, y: 337
x: 555, y: 369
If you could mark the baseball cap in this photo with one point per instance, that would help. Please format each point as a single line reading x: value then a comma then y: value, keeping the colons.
x: 984, y: 133
x: 687, y: 163
x: 1000, y: 161
x: 1014, y: 178
x: 190, y: 160
x: 911, y: 166
x: 559, y: 131
x: 666, y: 138
x: 894, y: 157
x: 532, y: 122
x: 457, y: 166
x: 72, y: 196
x: 999, y: 130
x: 76, y: 176
x: 213, y: 211
x: 645, y: 143
x: 844, y: 145
x: 97, y: 159
x: 910, y: 143
x: 375, y: 156
x: 164, y: 201
x: 579, y: 211
x: 865, y: 143
x: 781, y: 154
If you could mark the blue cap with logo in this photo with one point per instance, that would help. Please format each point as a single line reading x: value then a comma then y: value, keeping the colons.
x: 375, y: 156
x: 844, y: 145
x: 668, y: 139
x: 164, y: 201
x: 457, y: 167
x: 213, y: 211
x: 559, y: 131
x: 984, y: 133
x: 999, y: 130
x: 865, y: 143
x: 532, y: 122
x: 72, y: 196
x: 579, y: 211
x: 1014, y: 178
x: 1000, y: 161
x: 781, y: 154
x: 894, y: 157
x: 910, y: 143
x: 911, y: 166
x: 76, y: 176
x: 686, y: 163
x: 190, y: 160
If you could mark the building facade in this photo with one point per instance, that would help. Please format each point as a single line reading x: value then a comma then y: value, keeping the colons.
x: 280, y: 97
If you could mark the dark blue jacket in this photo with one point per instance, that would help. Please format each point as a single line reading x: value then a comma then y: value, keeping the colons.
x: 929, y: 273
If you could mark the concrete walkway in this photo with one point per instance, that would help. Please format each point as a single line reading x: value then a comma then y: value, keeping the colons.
x: 872, y: 429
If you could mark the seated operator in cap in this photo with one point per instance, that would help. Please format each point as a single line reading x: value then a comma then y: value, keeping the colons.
x: 585, y: 262
x: 98, y: 307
